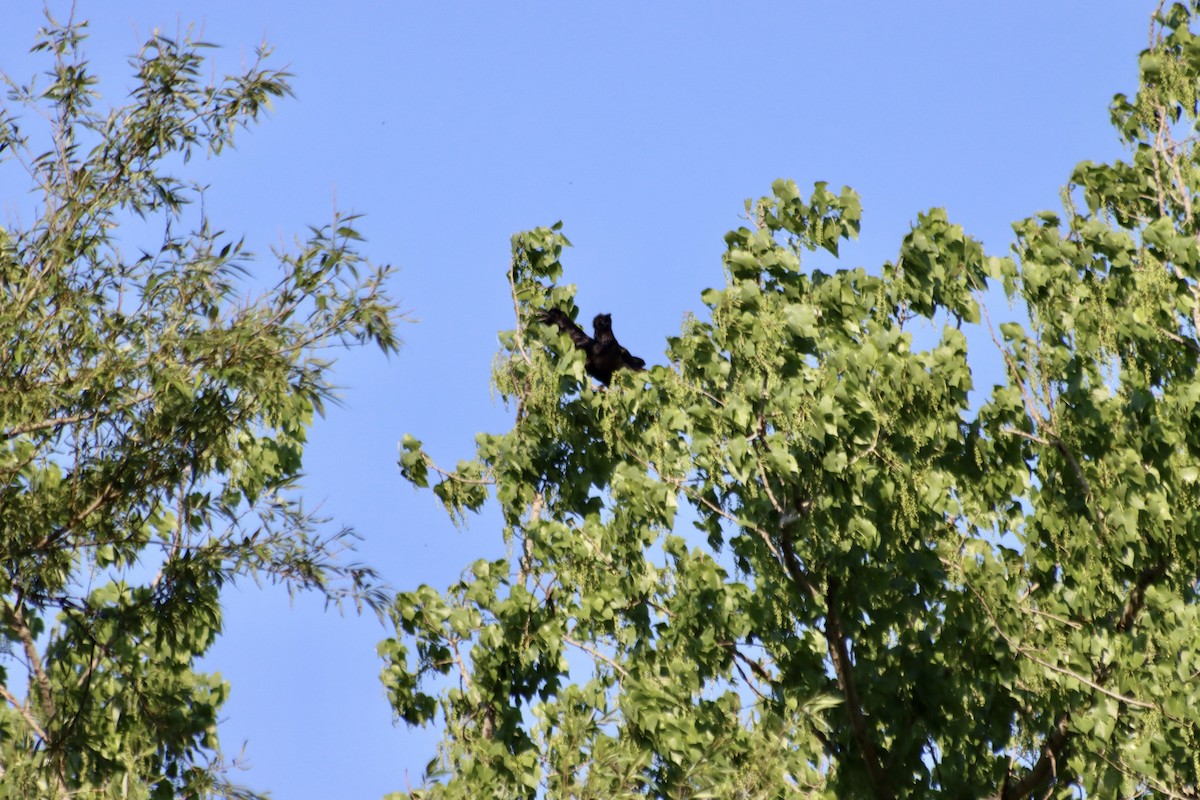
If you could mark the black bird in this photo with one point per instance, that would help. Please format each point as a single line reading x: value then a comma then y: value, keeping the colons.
x: 605, y: 355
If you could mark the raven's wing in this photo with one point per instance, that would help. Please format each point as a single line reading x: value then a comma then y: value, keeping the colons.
x: 631, y: 361
x: 559, y: 319
x: 627, y: 359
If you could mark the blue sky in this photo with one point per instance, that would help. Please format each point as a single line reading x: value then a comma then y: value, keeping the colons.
x: 643, y: 127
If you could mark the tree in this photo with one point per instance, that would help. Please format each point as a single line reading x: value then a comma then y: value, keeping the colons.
x: 899, y: 583
x: 152, y: 422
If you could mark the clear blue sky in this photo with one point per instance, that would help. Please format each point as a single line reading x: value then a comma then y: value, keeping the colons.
x: 643, y: 126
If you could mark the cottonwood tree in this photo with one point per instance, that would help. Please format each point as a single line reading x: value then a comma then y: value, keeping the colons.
x: 895, y: 587
x: 152, y: 421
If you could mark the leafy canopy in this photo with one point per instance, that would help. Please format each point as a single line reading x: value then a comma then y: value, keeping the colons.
x: 152, y: 421
x: 891, y: 589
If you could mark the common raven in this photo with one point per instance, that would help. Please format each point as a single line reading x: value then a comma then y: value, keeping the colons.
x: 605, y: 355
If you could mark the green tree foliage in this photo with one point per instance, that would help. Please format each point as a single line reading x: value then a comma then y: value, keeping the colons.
x: 894, y: 589
x: 152, y: 422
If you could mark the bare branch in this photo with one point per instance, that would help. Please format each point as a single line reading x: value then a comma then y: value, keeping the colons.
x: 585, y: 647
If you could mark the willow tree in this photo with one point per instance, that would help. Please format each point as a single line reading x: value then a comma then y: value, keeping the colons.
x: 811, y: 556
x: 152, y: 421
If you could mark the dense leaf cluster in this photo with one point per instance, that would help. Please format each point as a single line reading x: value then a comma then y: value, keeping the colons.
x: 152, y: 422
x: 899, y: 583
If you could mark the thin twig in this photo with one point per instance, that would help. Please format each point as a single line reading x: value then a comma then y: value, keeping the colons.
x: 597, y: 654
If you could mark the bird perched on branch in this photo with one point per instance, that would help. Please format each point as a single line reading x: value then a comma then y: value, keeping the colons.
x: 605, y: 355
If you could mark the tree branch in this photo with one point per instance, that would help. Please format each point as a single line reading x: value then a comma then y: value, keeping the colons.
x: 16, y: 618
x: 1046, y: 765
x: 1137, y: 597
x: 585, y: 647
x: 25, y: 712
x: 839, y: 651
